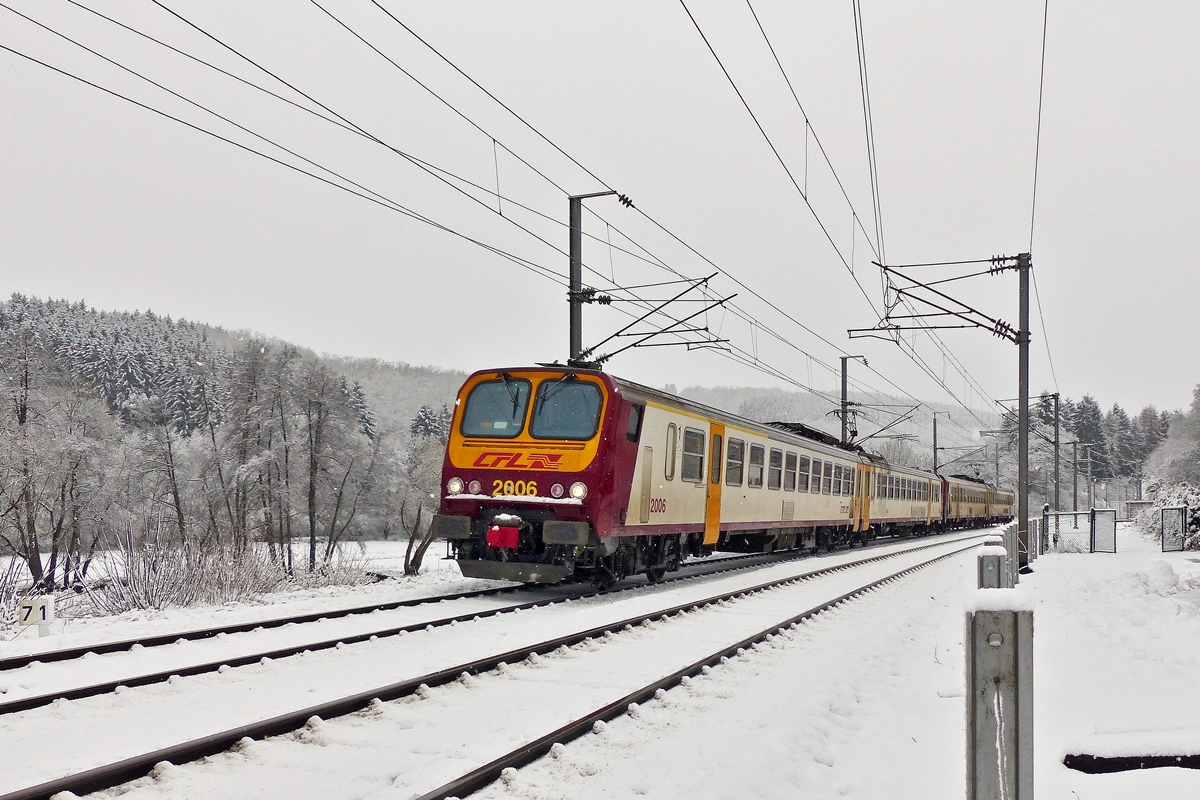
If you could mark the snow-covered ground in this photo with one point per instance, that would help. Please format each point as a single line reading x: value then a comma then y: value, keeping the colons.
x: 77, y: 735
x: 865, y: 700
x: 438, y: 577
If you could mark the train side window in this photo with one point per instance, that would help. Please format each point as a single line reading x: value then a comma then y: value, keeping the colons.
x: 802, y: 474
x: 775, y: 469
x: 754, y: 476
x: 848, y: 481
x: 815, y: 488
x: 635, y: 423
x: 891, y: 487
x: 837, y: 479
x: 733, y: 462
x: 716, y: 458
x: 789, y: 472
x: 669, y: 453
x: 827, y: 478
x: 693, y: 456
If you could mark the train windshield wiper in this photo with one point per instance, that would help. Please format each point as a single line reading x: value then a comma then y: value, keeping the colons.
x: 546, y: 395
x: 514, y: 396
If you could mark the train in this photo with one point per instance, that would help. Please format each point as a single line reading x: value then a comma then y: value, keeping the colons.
x: 555, y: 474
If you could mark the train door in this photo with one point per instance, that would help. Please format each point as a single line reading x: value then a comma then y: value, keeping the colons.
x: 712, y: 491
x: 647, y: 483
x: 862, y: 498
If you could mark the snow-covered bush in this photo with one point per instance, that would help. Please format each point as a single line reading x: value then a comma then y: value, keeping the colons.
x: 1173, y: 495
x: 159, y: 573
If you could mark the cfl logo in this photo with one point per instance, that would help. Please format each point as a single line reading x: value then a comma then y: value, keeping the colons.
x: 508, y: 460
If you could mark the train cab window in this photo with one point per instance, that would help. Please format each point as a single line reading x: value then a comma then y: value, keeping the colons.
x: 837, y: 479
x: 669, y: 452
x: 634, y: 429
x: 789, y: 472
x: 496, y: 409
x: 775, y: 469
x: 734, y: 457
x: 848, y: 481
x: 716, y: 458
x: 802, y: 474
x: 567, y: 408
x: 827, y: 478
x: 754, y: 476
x: 693, y: 456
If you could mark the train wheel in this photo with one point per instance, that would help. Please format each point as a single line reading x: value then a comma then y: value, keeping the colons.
x: 655, y: 574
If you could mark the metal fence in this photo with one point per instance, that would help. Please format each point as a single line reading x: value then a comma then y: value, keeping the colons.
x: 1174, y: 529
x: 1104, y: 530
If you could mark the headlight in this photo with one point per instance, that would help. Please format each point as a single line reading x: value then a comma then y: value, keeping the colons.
x: 474, y: 486
x: 579, y: 490
x: 556, y: 490
x: 454, y: 486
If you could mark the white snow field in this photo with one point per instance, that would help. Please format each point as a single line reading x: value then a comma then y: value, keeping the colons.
x: 72, y: 736
x: 865, y: 700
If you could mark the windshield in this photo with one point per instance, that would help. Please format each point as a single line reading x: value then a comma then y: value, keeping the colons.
x: 496, y: 408
x: 566, y: 409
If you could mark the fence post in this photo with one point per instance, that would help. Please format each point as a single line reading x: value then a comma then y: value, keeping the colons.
x: 999, y: 680
x: 993, y: 568
x: 1011, y: 543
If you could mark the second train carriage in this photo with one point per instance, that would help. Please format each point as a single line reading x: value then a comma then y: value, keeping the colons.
x: 552, y: 473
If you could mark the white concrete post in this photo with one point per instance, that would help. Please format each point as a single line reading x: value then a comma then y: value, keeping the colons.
x: 993, y: 568
x: 998, y: 640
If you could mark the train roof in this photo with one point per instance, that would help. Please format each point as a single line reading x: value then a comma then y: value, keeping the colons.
x: 789, y: 430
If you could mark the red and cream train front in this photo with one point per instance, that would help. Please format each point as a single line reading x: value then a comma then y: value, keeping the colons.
x: 553, y: 473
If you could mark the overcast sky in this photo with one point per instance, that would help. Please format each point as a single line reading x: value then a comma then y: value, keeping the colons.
x: 109, y: 203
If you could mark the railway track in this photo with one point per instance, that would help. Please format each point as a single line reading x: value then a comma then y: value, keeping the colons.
x: 698, y: 568
x: 185, y: 668
x: 131, y: 768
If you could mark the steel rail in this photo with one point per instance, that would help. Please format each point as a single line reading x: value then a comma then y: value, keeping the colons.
x: 478, y: 778
x: 158, y: 640
x: 114, y: 774
x: 149, y: 678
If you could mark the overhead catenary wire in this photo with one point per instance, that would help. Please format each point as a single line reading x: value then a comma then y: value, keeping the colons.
x: 767, y: 369
x: 745, y: 103
x: 647, y: 216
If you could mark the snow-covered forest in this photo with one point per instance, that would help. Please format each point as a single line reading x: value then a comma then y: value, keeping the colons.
x: 134, y: 432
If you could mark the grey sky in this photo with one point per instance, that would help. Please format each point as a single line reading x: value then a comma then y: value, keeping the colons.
x: 109, y: 203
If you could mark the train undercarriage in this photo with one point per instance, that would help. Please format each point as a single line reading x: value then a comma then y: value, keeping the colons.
x: 542, y: 549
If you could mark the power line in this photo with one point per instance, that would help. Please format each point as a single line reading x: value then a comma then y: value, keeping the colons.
x: 1037, y: 150
x: 782, y: 163
x: 378, y: 200
x: 744, y: 357
x: 869, y: 125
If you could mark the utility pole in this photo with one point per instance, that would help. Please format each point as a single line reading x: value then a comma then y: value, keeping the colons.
x: 845, y: 412
x: 1091, y: 485
x: 935, y: 448
x: 1075, y: 477
x: 1056, y: 445
x: 1024, y: 263
x: 575, y: 293
x: 997, y: 465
